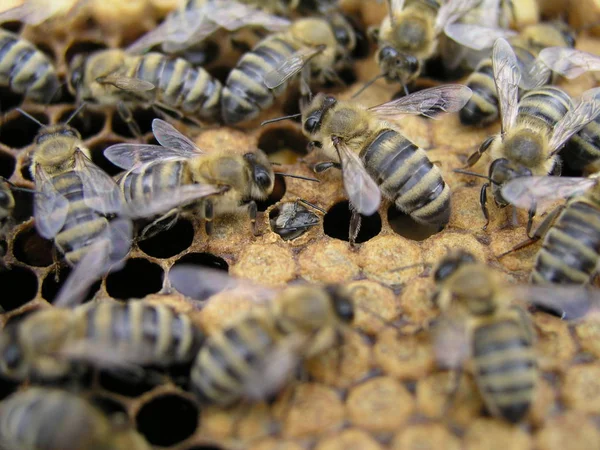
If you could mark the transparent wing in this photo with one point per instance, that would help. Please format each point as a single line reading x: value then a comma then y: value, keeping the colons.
x: 451, y: 11
x: 523, y: 192
x: 100, y: 191
x: 160, y: 203
x: 476, y: 37
x: 451, y: 342
x: 129, y: 156
x: 585, y: 110
x: 568, y: 62
x: 199, y: 283
x: 534, y: 74
x: 395, y: 6
x: 126, y: 83
x: 362, y: 191
x: 573, y: 302
x: 233, y: 15
x: 291, y: 66
x: 106, y: 254
x: 168, y: 136
x: 50, y: 208
x: 507, y: 77
x: 430, y: 102
x: 35, y: 12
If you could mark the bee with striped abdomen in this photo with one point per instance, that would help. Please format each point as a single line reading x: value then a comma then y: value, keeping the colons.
x: 27, y: 71
x: 312, y: 47
x: 533, y: 129
x: 376, y: 158
x: 52, y: 419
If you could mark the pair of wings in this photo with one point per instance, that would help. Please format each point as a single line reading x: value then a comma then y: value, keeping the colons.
x: 363, y: 192
x: 190, y: 26
x: 507, y: 76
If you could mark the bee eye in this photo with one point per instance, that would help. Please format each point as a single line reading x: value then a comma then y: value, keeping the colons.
x: 342, y: 36
x: 445, y: 269
x: 387, y: 53
x: 311, y: 124
x: 344, y: 309
x: 412, y: 63
x: 262, y: 178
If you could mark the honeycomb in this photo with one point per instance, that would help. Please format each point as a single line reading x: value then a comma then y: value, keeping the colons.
x: 380, y: 388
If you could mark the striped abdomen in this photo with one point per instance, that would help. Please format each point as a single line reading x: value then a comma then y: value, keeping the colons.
x: 584, y: 147
x: 228, y: 358
x: 405, y: 175
x: 245, y: 94
x: 83, y: 224
x: 151, y: 334
x: 26, y: 70
x: 152, y: 179
x: 571, y: 249
x: 544, y: 107
x: 181, y: 86
x: 505, y: 368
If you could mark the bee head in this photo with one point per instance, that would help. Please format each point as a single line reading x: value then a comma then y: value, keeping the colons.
x: 451, y: 263
x: 261, y: 173
x: 313, y: 117
x: 344, y: 32
x: 56, y: 131
x: 398, y: 67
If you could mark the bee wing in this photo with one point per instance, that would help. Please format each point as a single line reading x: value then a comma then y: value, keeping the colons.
x: 585, y: 110
x: 451, y: 342
x: 430, y: 102
x: 533, y: 74
x: 233, y: 15
x: 573, y: 302
x: 506, y: 77
x: 100, y: 191
x: 50, y: 207
x: 35, y: 12
x: 126, y: 83
x: 291, y: 66
x: 168, y: 136
x: 130, y: 156
x: 476, y: 37
x: 524, y: 192
x: 396, y: 5
x: 108, y: 252
x: 363, y: 192
x: 451, y: 11
x: 568, y: 62
x: 199, y: 283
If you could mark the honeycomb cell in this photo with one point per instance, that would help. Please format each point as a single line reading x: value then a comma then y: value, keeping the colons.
x: 266, y: 264
x: 19, y: 131
x: 336, y: 223
x: 167, y: 419
x: 283, y: 145
x: 330, y: 261
x: 23, y: 205
x: 588, y: 334
x: 581, y: 388
x: 489, y: 434
x: 375, y: 306
x: 404, y: 356
x: 17, y: 276
x: 349, y: 440
x: 390, y: 259
x: 51, y: 287
x: 425, y: 436
x: 170, y: 242
x: 143, y: 118
x: 570, y: 430
x: 137, y: 279
x: 7, y: 164
x: 88, y: 122
x: 98, y: 158
x: 407, y: 227
x: 554, y: 342
x: 32, y: 249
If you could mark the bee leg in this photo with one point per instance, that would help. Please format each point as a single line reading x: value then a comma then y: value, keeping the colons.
x: 355, y: 221
x: 474, y: 157
x: 252, y: 210
x: 454, y: 383
x: 56, y: 263
x: 209, y: 215
x: 127, y: 116
x: 483, y: 202
x: 326, y: 165
x: 163, y: 223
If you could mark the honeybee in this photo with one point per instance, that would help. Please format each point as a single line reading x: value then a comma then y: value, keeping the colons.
x: 483, y: 107
x: 533, y: 130
x: 293, y: 219
x: 7, y: 205
x: 52, y: 419
x: 170, y: 85
x: 254, y: 356
x: 25, y: 70
x: 375, y: 158
x: 228, y: 182
x: 312, y: 47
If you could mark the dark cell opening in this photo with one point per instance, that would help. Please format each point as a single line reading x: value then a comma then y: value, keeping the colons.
x: 7, y: 164
x: 50, y: 286
x: 337, y: 223
x: 108, y: 405
x: 82, y: 48
x: 276, y: 195
x: 8, y: 101
x: 143, y: 118
x: 167, y: 420
x: 220, y: 73
x: 88, y: 123
x: 137, y: 279
x: 202, y: 54
x: 32, y: 249
x: 26, y: 168
x: 170, y: 242
x: 27, y: 284
x: 283, y: 145
x: 7, y: 387
x: 129, y: 385
x: 97, y: 152
x: 19, y: 131
x: 206, y: 260
x: 291, y: 104
x: 407, y: 227
x: 13, y: 26
x: 23, y: 205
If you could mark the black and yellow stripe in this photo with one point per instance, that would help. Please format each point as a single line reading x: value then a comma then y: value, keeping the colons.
x: 584, y: 147
x: 542, y: 108
x: 152, y: 179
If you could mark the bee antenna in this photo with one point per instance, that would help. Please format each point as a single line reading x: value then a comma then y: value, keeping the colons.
x: 478, y: 175
x: 289, y: 175
x: 367, y: 84
x: 405, y: 89
x: 311, y: 205
x: 14, y: 187
x: 411, y: 266
x: 30, y: 117
x: 74, y: 113
x: 279, y: 119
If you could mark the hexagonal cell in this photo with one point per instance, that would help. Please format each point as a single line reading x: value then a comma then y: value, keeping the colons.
x: 97, y: 152
x: 283, y: 145
x: 19, y: 131
x: 409, y: 228
x: 195, y: 290
x: 7, y: 164
x: 137, y: 279
x: 277, y: 194
x: 51, y: 287
x: 23, y: 205
x: 169, y: 412
x: 143, y: 118
x: 88, y: 123
x: 170, y: 242
x: 27, y: 282
x: 32, y: 249
x: 337, y: 223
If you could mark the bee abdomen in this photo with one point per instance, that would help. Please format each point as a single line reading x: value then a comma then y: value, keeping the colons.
x: 544, y: 107
x: 406, y: 175
x: 584, y: 147
x: 155, y: 178
x: 571, y: 249
x: 245, y: 93
x: 504, y: 368
x: 482, y: 108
